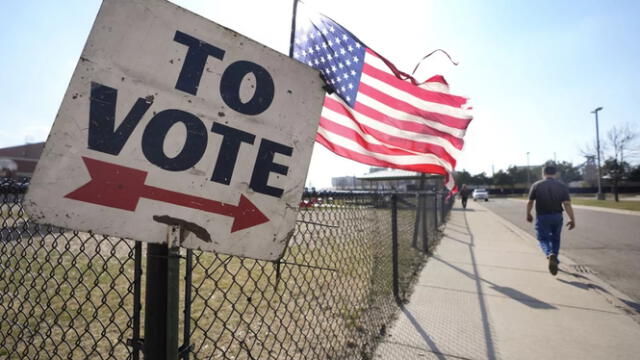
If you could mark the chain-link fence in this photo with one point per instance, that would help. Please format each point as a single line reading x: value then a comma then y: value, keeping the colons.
x: 73, y: 295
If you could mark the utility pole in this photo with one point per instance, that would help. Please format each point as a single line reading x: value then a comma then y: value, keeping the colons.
x: 599, y: 195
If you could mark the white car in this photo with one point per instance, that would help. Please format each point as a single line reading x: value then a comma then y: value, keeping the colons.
x: 480, y: 194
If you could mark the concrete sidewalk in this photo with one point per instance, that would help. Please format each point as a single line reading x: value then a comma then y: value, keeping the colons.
x: 487, y: 294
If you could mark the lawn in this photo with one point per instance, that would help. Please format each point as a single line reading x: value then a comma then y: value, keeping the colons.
x: 69, y: 295
x: 622, y: 205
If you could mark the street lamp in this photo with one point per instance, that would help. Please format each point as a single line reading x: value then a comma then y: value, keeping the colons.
x: 599, y: 195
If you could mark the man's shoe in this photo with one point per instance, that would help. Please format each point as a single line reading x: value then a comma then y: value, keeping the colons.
x: 553, y: 264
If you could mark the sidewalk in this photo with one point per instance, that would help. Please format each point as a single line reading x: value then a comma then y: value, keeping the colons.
x: 487, y: 294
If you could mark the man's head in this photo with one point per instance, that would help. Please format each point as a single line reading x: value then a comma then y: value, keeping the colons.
x: 549, y: 170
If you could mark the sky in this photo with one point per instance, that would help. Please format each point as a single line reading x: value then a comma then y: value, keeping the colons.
x: 533, y: 70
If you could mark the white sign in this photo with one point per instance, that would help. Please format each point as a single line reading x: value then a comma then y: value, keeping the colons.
x: 171, y: 119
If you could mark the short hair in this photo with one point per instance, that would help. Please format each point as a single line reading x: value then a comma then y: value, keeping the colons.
x: 549, y: 169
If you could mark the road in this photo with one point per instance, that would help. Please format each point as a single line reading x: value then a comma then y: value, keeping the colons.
x: 608, y: 243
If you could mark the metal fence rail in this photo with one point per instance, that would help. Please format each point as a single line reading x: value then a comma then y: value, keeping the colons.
x: 72, y: 295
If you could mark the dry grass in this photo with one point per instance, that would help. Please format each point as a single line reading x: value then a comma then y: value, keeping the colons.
x: 69, y: 295
x: 611, y: 204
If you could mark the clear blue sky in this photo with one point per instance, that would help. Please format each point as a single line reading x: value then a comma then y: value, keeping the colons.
x: 533, y: 70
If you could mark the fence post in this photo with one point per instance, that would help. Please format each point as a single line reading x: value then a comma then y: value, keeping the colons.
x: 442, y: 209
x: 161, y: 300
x: 435, y: 211
x: 416, y: 224
x: 425, y: 232
x: 186, y: 347
x: 394, y: 245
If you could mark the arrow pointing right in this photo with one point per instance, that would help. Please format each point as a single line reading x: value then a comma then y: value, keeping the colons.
x: 122, y: 187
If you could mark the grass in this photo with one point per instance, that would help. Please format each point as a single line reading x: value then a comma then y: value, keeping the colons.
x: 68, y: 295
x: 611, y: 204
x: 58, y: 302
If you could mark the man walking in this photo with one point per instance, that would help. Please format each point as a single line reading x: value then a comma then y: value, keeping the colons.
x: 550, y: 196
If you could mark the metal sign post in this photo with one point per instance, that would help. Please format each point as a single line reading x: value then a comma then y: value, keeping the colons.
x: 162, y: 298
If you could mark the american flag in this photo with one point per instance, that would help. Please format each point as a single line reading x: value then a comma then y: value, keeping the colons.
x: 378, y: 115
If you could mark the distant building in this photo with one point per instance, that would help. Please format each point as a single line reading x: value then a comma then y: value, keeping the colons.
x: 346, y: 183
x: 25, y: 157
x: 400, y: 180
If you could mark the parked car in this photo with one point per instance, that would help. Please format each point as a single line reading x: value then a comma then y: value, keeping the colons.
x: 480, y: 194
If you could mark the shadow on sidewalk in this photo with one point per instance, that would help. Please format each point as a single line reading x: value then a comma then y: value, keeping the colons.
x: 507, y: 291
x: 591, y: 286
x: 427, y: 339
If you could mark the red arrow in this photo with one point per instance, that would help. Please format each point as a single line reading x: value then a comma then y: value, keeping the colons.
x: 121, y: 187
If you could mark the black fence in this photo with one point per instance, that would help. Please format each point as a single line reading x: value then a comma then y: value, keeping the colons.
x: 353, y: 257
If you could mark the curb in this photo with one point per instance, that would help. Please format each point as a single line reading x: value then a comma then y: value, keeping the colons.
x: 596, y: 208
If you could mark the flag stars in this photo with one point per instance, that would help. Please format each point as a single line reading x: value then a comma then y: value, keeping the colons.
x: 350, y: 85
x: 348, y: 98
x: 348, y: 62
x: 358, y: 45
x: 355, y: 59
x: 350, y: 48
x: 345, y: 76
x: 332, y: 29
x: 353, y: 73
x: 344, y: 37
x: 343, y: 51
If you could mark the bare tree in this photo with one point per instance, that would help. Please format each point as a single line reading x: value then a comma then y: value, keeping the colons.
x: 589, y: 149
x: 622, y: 141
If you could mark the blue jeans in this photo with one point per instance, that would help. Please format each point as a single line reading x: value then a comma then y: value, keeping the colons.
x: 548, y: 227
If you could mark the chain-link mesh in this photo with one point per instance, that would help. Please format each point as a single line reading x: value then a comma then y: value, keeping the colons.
x: 68, y: 294
x: 63, y: 294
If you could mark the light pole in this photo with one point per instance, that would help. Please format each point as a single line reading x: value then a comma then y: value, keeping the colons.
x: 599, y: 195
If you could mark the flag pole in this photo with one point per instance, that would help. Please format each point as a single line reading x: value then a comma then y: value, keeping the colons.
x: 293, y: 27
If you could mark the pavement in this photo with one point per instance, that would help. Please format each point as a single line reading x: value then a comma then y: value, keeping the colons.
x: 487, y: 294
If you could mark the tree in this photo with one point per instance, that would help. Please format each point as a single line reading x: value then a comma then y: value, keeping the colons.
x: 521, y: 174
x: 480, y: 179
x: 616, y: 171
x: 621, y: 140
x: 462, y: 177
x: 567, y: 172
x: 634, y: 174
x: 502, y: 178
